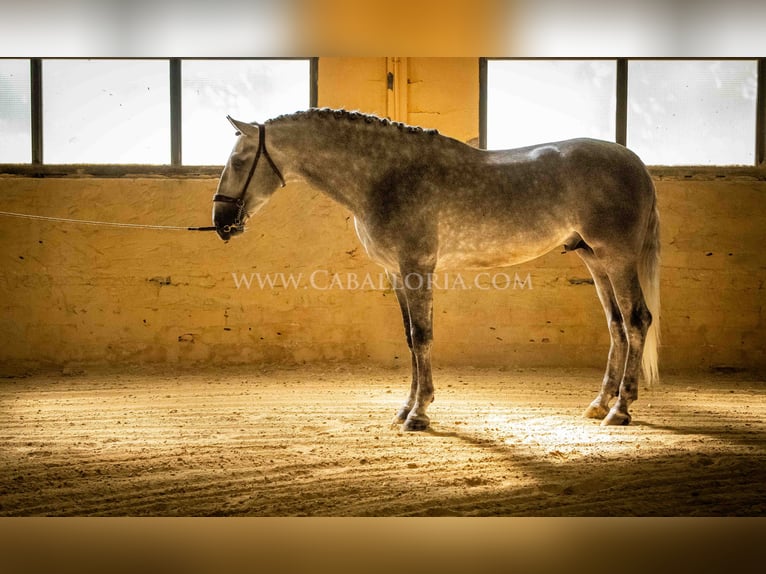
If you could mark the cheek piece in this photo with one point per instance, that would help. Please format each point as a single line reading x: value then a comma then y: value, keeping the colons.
x: 240, y: 200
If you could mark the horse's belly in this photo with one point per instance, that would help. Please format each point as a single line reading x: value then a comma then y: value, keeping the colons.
x: 483, y: 253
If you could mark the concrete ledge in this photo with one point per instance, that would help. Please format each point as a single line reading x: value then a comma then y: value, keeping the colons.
x: 663, y: 173
x: 111, y: 171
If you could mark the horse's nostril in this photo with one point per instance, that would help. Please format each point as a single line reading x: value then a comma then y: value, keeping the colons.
x: 223, y: 232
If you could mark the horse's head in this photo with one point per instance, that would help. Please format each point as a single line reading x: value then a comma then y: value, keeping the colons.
x: 243, y: 189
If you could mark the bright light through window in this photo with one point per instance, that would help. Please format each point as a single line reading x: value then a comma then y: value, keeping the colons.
x: 530, y: 102
x: 248, y: 90
x: 692, y: 112
x: 15, y: 112
x: 106, y: 111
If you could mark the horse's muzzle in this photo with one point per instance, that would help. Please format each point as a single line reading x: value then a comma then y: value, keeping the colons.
x: 226, y: 232
x: 227, y: 220
x: 223, y: 233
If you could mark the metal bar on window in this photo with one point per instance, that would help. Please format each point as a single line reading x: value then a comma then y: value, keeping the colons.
x: 314, y: 82
x: 175, y: 112
x: 760, y: 115
x: 36, y: 88
x: 483, y: 86
x: 621, y: 107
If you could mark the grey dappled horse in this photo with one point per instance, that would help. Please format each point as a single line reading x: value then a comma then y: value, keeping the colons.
x: 423, y: 202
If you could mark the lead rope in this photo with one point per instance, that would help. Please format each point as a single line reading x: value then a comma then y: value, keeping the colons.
x: 104, y: 223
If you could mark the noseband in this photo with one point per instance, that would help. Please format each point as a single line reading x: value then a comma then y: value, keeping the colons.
x: 240, y: 199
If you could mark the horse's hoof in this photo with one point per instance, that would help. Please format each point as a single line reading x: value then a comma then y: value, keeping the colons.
x: 595, y: 411
x: 416, y: 423
x: 401, y: 416
x: 616, y: 418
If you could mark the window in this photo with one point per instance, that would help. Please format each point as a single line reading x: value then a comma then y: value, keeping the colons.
x: 531, y: 102
x: 106, y: 111
x: 140, y: 111
x: 15, y: 112
x: 692, y: 112
x: 670, y: 112
x: 248, y: 90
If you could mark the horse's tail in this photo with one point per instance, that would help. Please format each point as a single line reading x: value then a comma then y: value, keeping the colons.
x: 649, y: 276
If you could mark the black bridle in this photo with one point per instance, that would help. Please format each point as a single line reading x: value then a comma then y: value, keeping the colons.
x: 240, y: 199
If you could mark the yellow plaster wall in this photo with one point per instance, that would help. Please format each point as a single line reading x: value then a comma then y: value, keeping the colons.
x: 72, y: 294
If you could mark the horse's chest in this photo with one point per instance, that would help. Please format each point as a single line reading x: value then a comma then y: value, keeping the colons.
x: 377, y: 248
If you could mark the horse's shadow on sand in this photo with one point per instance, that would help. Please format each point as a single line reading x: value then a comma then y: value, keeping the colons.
x: 585, y: 485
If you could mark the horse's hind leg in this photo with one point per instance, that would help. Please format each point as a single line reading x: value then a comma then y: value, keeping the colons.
x: 615, y: 366
x: 637, y: 319
x: 401, y: 297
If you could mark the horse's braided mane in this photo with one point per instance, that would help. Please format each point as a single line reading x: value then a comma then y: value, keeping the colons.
x: 352, y: 116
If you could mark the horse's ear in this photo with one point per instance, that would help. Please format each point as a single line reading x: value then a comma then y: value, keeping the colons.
x: 249, y: 130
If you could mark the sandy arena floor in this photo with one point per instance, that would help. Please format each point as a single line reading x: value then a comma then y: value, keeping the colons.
x: 319, y: 442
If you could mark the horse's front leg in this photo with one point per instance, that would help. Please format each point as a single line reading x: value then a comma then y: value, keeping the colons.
x: 401, y: 297
x: 416, y: 284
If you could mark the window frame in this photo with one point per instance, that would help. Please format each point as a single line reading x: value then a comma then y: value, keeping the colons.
x: 621, y: 118
x: 39, y: 168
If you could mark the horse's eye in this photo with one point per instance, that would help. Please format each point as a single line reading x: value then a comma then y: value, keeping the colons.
x: 237, y: 163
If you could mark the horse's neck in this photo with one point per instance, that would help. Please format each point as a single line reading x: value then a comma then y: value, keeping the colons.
x: 343, y: 161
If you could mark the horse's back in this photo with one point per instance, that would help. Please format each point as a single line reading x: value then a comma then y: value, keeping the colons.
x: 589, y: 180
x: 510, y: 206
x: 573, y: 161
x: 467, y: 207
